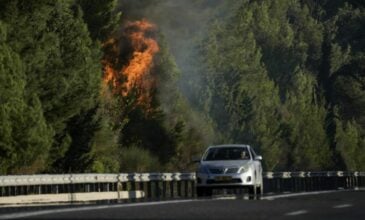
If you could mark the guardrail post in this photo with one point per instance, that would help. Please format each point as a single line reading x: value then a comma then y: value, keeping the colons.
x: 308, y: 185
x: 272, y: 185
x: 300, y: 183
x: 153, y: 189
x: 349, y: 178
x: 179, y: 188
x: 124, y: 185
x: 142, y: 186
x: 317, y: 183
x: 336, y: 182
x: 164, y: 189
x: 171, y: 188
x: 325, y: 185
x: 149, y: 189
x: 293, y: 182
x: 158, y: 189
x: 314, y: 183
x: 193, y: 186
x: 268, y: 185
x: 186, y: 187
x: 329, y: 183
x: 193, y: 190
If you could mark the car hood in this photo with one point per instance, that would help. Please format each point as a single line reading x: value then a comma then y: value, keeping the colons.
x: 225, y: 163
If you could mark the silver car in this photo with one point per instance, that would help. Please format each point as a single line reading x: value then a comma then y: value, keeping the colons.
x: 229, y: 166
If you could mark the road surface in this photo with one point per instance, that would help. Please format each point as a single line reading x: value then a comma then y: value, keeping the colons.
x: 332, y: 205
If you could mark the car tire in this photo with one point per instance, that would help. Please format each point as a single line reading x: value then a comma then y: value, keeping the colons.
x: 252, y: 190
x: 260, y: 188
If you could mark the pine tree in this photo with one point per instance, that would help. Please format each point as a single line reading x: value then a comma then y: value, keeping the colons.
x: 24, y: 135
x: 101, y: 17
x: 350, y: 145
x: 60, y: 63
x: 242, y: 100
x: 306, y: 134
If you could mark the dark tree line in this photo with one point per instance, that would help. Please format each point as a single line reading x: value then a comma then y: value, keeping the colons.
x: 284, y: 76
x: 288, y: 78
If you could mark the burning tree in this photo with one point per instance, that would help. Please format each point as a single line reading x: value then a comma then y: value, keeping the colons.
x: 133, y: 75
x: 142, y: 76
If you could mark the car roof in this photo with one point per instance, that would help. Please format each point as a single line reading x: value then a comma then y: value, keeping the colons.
x: 230, y: 145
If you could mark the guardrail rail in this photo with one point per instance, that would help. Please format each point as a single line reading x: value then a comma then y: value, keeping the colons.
x: 91, y: 187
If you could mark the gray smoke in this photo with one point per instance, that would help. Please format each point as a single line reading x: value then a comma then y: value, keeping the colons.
x: 184, y: 23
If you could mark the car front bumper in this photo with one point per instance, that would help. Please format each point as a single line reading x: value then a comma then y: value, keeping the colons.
x: 223, y: 180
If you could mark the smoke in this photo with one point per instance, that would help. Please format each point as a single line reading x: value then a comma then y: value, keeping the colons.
x: 183, y: 24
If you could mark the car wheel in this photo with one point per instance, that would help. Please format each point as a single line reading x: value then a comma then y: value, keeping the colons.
x: 260, y: 188
x: 252, y: 191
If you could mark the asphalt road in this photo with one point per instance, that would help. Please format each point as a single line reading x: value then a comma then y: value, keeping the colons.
x: 334, y: 205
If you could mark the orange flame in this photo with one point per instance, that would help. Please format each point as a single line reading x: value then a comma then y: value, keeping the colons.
x: 145, y: 49
x: 136, y: 73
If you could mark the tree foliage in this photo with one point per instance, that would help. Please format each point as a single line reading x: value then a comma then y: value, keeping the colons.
x: 59, y: 67
x: 286, y: 77
x: 274, y: 73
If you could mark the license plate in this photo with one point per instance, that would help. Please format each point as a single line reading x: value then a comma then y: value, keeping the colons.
x: 223, y: 178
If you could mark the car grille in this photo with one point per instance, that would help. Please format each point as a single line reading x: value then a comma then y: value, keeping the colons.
x: 223, y: 170
x: 235, y: 180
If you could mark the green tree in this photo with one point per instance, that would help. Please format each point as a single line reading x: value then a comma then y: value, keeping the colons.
x: 101, y: 17
x: 135, y: 159
x: 60, y: 63
x: 24, y: 135
x: 350, y: 145
x: 306, y: 134
x: 240, y: 97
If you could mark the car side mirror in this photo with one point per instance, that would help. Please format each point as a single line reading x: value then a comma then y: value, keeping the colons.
x: 258, y: 157
x: 195, y: 159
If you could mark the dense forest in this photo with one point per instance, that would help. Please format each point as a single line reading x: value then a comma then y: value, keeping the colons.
x: 140, y: 86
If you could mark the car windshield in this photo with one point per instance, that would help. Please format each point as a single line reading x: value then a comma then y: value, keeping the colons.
x: 227, y: 153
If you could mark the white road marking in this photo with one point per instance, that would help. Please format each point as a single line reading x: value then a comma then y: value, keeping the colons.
x: 299, y: 212
x: 342, y: 206
x: 225, y: 198
x: 63, y: 210
x: 298, y: 194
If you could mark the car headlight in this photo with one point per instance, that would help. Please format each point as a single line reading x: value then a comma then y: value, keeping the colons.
x: 203, y: 169
x: 243, y: 169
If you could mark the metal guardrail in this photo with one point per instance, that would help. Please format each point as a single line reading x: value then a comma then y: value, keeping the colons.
x: 277, y: 182
x: 21, y: 180
x: 82, y: 187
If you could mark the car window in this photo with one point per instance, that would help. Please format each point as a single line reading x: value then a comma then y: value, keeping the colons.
x: 253, y: 153
x: 227, y: 153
